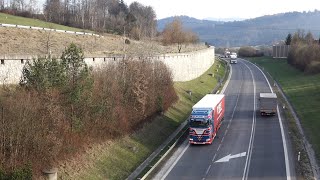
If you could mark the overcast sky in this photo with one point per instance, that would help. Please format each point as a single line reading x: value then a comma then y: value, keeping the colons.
x: 201, y: 9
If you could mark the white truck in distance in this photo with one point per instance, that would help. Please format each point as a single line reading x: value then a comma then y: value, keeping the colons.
x: 233, y: 57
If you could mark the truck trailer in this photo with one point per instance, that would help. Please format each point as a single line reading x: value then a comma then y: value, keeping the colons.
x: 268, y: 103
x: 205, y: 119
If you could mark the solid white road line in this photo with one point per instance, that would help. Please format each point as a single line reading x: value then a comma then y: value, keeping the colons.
x: 248, y: 159
x: 284, y: 142
x: 175, y: 162
x: 286, y: 159
x: 262, y: 74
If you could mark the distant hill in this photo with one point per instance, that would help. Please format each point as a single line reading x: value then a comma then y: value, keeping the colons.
x: 189, y: 23
x: 224, y: 19
x: 263, y: 30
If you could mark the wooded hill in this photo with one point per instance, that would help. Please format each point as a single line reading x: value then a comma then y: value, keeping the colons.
x: 264, y: 30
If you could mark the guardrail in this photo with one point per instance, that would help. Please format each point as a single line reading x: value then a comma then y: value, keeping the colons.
x: 47, y: 29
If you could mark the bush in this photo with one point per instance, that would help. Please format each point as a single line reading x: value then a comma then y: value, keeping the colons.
x: 304, y: 57
x: 63, y: 105
x: 313, y: 67
x: 248, y: 51
x: 304, y: 53
x: 24, y: 173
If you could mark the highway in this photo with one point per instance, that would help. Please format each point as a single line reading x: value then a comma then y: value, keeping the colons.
x: 248, y: 146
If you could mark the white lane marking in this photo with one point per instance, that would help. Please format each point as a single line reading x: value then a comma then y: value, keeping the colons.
x: 228, y: 157
x: 248, y: 160
x: 262, y: 74
x: 214, y: 157
x: 175, y: 162
x: 225, y: 133
x: 222, y: 139
x: 282, y: 131
x: 284, y: 146
x: 219, y: 147
x: 208, y: 170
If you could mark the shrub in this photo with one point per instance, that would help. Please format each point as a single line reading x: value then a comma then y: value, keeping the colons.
x: 63, y: 105
x: 304, y: 53
x: 248, y: 51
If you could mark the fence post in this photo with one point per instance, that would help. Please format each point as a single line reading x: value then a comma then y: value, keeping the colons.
x: 51, y: 174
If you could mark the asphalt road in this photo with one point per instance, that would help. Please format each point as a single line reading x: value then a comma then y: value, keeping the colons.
x: 248, y: 146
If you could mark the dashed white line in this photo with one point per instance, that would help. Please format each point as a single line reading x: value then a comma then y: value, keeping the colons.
x: 208, y: 169
x: 222, y: 139
x: 214, y: 157
x: 219, y: 147
x: 248, y: 159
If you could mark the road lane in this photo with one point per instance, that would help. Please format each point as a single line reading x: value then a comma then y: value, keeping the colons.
x: 253, y: 142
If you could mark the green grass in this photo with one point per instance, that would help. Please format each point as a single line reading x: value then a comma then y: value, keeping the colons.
x: 120, y: 159
x: 303, y: 92
x: 10, y: 19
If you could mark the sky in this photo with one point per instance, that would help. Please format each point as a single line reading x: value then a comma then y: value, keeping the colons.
x: 221, y: 9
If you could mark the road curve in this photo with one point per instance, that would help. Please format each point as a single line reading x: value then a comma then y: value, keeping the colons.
x: 248, y: 146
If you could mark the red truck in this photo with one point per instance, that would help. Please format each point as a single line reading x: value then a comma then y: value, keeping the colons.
x: 205, y: 119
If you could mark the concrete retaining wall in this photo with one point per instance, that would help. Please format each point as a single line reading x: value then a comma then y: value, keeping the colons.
x: 184, y: 66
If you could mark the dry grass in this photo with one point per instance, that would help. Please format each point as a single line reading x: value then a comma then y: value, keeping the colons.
x: 15, y: 41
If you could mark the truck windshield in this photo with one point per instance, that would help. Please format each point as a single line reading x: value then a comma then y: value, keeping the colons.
x: 199, y: 123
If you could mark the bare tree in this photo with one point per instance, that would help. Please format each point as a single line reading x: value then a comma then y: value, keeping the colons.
x: 174, y: 33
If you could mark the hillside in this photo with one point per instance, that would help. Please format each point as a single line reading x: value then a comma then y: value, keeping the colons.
x: 10, y: 19
x: 16, y: 41
x: 263, y: 30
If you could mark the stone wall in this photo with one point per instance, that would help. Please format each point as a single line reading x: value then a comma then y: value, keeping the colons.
x: 184, y: 66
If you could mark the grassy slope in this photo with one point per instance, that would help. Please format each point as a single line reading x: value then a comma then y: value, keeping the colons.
x: 9, y: 19
x: 123, y: 156
x: 303, y: 92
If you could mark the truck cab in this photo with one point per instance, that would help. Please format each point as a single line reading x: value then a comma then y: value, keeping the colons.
x: 201, y: 126
x: 233, y: 58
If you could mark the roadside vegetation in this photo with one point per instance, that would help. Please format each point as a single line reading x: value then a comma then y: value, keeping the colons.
x: 304, y: 53
x: 248, y: 51
x: 117, y: 159
x: 63, y: 106
x: 303, y: 92
x: 174, y: 33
